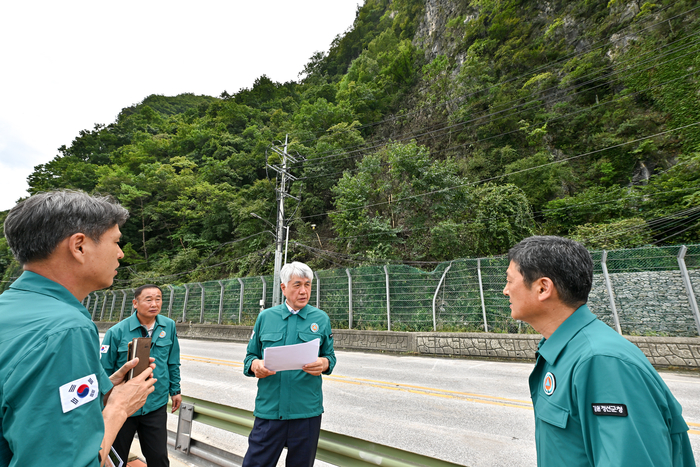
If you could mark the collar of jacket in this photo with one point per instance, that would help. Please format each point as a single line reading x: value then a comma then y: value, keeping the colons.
x: 36, y: 283
x: 134, y: 322
x: 551, y: 348
x: 303, y: 313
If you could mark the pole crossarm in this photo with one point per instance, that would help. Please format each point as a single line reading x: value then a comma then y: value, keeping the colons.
x: 287, y: 195
x: 333, y: 448
x: 285, y: 154
x: 282, y: 171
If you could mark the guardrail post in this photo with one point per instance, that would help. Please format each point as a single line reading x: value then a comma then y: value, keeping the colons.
x: 437, y: 290
x: 184, y: 307
x: 87, y: 305
x: 347, y: 271
x: 388, y: 300
x: 318, y: 290
x: 264, y: 293
x: 121, y: 313
x: 240, y: 306
x: 114, y: 302
x: 183, y: 436
x: 170, y: 303
x: 608, y: 285
x: 481, y: 292
x: 221, y: 301
x: 104, y: 305
x: 689, y: 286
x: 201, y: 307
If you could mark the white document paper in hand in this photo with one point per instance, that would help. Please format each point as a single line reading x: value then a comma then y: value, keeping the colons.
x: 291, y: 357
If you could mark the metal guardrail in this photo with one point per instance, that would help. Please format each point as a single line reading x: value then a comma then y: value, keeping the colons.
x: 333, y: 448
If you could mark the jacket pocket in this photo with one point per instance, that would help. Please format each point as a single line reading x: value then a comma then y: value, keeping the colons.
x: 161, y: 348
x: 551, y: 413
x: 309, y: 336
x: 271, y: 339
x: 123, y: 353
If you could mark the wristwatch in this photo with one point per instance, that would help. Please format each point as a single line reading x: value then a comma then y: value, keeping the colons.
x: 176, y: 393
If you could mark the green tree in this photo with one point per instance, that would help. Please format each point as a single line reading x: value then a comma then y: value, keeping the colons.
x: 624, y: 233
x: 541, y: 177
x: 403, y: 203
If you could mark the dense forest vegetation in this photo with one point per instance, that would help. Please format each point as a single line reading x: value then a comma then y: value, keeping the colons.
x: 430, y: 130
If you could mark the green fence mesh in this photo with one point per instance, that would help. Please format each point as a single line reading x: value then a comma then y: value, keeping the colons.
x: 649, y: 296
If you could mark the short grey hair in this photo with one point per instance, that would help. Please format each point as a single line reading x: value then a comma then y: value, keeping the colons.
x: 36, y: 225
x: 295, y: 268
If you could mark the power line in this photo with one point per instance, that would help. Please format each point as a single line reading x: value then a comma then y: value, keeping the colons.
x: 660, y: 221
x: 559, y: 117
x: 660, y: 225
x: 504, y: 175
x: 327, y: 255
x: 603, y: 42
x: 197, y: 268
x: 472, y: 122
x: 640, y: 196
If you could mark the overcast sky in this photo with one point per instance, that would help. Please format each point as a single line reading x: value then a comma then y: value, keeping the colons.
x: 71, y: 64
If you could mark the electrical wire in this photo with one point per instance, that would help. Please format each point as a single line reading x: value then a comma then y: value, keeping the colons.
x: 657, y: 226
x: 197, y: 268
x: 497, y: 177
x: 603, y: 43
x: 406, y: 231
x: 559, y: 117
x: 435, y: 131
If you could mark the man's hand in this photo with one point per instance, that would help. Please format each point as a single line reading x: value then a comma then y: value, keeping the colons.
x: 131, y: 396
x: 259, y: 370
x: 177, y: 401
x: 317, y: 367
x: 118, y: 376
x: 122, y: 401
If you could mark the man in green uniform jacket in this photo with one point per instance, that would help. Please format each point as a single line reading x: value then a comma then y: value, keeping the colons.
x: 51, y: 380
x: 289, y: 404
x: 151, y: 420
x: 597, y: 399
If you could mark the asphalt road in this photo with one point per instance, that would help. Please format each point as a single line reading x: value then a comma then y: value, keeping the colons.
x: 471, y: 412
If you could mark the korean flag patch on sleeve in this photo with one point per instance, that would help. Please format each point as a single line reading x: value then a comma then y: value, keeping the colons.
x: 78, y: 392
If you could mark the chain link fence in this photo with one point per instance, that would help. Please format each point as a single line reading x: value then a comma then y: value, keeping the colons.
x: 642, y: 291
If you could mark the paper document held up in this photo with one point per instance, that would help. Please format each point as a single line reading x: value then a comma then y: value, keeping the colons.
x: 291, y: 357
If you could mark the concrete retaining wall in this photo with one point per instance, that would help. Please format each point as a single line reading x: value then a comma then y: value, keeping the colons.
x: 681, y: 352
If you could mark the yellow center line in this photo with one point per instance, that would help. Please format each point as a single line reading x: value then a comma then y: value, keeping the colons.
x: 213, y: 361
x: 493, y: 400
x: 446, y: 391
x: 440, y: 393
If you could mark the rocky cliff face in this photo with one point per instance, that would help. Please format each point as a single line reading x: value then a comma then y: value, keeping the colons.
x: 430, y: 35
x: 433, y: 37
